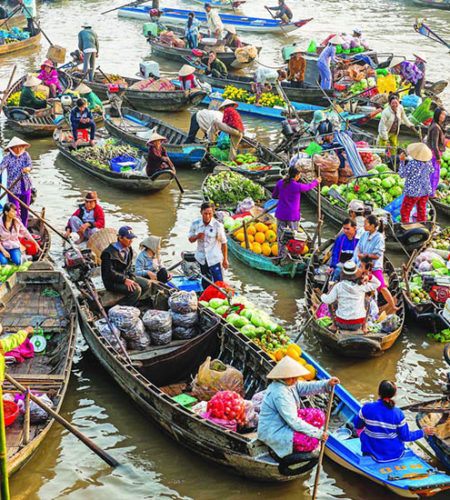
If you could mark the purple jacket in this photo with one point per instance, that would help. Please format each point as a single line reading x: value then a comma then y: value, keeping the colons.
x: 289, y: 198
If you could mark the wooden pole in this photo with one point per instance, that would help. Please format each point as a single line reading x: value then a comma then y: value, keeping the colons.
x: 4, y: 480
x: 5, y: 92
x: 38, y: 26
x: 90, y: 444
x: 322, y: 444
x: 247, y: 246
x: 26, y: 423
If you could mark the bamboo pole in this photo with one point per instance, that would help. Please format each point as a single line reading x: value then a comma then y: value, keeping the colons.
x: 26, y: 424
x: 4, y: 480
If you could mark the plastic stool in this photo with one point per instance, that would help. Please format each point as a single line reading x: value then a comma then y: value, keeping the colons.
x: 83, y: 134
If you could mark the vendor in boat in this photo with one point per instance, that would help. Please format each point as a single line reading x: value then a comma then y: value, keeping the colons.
x: 191, y: 31
x: 420, y: 62
x: 215, y: 67
x: 187, y: 78
x: 18, y: 166
x: 231, y: 39
x: 93, y: 102
x: 11, y: 232
x: 358, y: 212
x: 372, y: 243
x: 343, y: 248
x: 349, y: 298
x: 328, y: 56
x: 212, y: 249
x: 29, y: 11
x: 49, y: 77
x: 11, y: 342
x: 87, y: 219
x: 280, y: 427
x: 282, y: 11
x: 81, y: 118
x: 417, y: 174
x: 297, y: 67
x: 392, y: 117
x: 203, y: 120
x: 264, y: 79
x: 288, y: 192
x: 436, y: 142
x: 215, y: 25
x: 411, y: 75
x: 231, y: 124
x: 117, y: 274
x: 88, y: 44
x: 148, y: 262
x: 384, y: 426
x: 28, y: 97
x: 157, y: 157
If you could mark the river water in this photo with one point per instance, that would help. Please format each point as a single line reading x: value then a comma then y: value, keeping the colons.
x: 155, y: 465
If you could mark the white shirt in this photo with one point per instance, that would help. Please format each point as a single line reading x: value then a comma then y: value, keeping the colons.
x: 206, y: 118
x: 209, y: 250
x: 215, y: 23
x: 266, y: 75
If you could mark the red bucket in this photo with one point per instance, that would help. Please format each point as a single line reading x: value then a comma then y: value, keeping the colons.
x: 11, y: 411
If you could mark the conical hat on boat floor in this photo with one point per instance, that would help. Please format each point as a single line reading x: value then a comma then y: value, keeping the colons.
x: 100, y: 240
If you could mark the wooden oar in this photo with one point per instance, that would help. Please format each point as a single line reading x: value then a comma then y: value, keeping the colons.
x: 88, y: 442
x: 124, y: 97
x: 10, y: 15
x: 12, y: 185
x: 38, y: 26
x: 322, y: 444
x: 8, y: 88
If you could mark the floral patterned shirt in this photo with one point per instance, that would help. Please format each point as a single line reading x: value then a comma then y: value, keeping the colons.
x: 233, y: 119
x: 14, y: 166
x: 417, y: 178
x: 410, y: 72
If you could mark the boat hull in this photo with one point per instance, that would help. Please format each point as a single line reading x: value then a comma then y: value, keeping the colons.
x: 433, y: 4
x: 441, y: 208
x: 10, y: 48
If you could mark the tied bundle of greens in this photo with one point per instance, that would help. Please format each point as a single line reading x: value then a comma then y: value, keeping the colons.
x: 100, y: 156
x: 229, y: 188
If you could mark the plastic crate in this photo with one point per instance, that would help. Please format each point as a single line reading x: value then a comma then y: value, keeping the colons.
x: 185, y: 400
x: 118, y: 164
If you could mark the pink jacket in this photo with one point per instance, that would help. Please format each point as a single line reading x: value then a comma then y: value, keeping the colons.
x: 10, y: 239
x: 49, y: 78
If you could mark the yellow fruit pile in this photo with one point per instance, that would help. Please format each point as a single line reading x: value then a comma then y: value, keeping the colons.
x: 262, y: 238
x: 295, y: 352
x: 14, y: 99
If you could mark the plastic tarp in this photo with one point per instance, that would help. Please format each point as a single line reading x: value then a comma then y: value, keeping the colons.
x: 353, y: 157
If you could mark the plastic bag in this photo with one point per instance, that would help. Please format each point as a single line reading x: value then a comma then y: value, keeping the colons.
x: 124, y: 317
x: 158, y: 321
x: 200, y: 407
x: 245, y: 205
x: 105, y: 332
x: 257, y: 400
x: 181, y: 333
x: 231, y: 425
x: 183, y: 302
x: 211, y: 292
x: 214, y: 376
x: 37, y: 414
x: 161, y: 338
x: 184, y: 320
x: 251, y: 416
x: 136, y: 337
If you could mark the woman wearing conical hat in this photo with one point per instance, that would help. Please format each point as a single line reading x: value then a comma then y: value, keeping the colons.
x: 157, y: 158
x: 28, y: 97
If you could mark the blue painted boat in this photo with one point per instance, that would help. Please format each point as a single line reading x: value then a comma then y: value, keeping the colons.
x: 436, y: 4
x: 135, y: 128
x: 242, y: 23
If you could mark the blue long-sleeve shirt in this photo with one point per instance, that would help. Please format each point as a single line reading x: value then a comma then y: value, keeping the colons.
x: 328, y: 55
x: 144, y: 263
x: 343, y: 250
x: 385, y: 431
x: 76, y: 115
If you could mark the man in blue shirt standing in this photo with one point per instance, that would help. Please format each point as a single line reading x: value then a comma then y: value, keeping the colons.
x: 343, y: 248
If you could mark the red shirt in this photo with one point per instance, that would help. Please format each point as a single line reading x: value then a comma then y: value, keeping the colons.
x: 232, y: 118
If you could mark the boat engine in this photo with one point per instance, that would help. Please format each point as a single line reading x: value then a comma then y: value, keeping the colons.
x: 78, y: 263
x: 295, y: 241
x: 290, y: 127
x: 437, y: 287
x: 189, y: 265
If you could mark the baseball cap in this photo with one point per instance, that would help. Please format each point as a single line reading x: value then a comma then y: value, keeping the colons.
x: 126, y: 232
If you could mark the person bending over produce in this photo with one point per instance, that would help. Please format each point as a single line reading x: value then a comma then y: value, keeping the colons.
x: 28, y: 97
x: 88, y: 218
x: 349, y: 295
x: 231, y: 39
x: 148, y: 262
x: 117, y: 275
x: 280, y: 427
x: 343, y: 248
x: 436, y: 142
x: 212, y: 249
x: 231, y: 124
x: 81, y: 118
x: 203, y: 120
x: 384, y: 426
x: 157, y: 158
x: 215, y: 66
x: 49, y: 77
x: 288, y: 192
x: 264, y: 78
x: 93, y: 102
x: 417, y: 173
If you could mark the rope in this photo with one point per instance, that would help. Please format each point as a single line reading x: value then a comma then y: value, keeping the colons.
x: 271, y: 67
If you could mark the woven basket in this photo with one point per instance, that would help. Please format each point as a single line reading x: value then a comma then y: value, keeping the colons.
x: 99, y: 241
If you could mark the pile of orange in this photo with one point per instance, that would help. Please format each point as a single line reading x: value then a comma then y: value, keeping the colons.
x: 262, y: 238
x: 295, y: 352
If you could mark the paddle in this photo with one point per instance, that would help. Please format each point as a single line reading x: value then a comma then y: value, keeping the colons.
x: 322, y: 444
x: 8, y: 88
x: 12, y: 185
x: 35, y: 22
x: 319, y: 217
x: 10, y: 15
x: 88, y: 442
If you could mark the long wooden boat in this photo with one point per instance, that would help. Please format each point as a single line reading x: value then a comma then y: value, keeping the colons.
x: 241, y: 23
x: 351, y: 344
x: 135, y: 128
x: 152, y: 100
x: 42, y: 298
x: 161, y: 373
x: 435, y: 4
x: 133, y: 182
x: 180, y: 54
x: 9, y: 48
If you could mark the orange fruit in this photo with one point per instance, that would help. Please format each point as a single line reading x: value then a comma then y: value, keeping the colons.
x: 275, y: 249
x: 250, y: 238
x: 292, y: 353
x: 260, y: 237
x: 279, y: 355
x: 251, y: 230
x: 249, y: 246
x: 297, y: 348
x: 240, y: 236
x: 260, y: 227
x: 271, y: 236
x: 312, y: 372
x: 239, y: 231
x: 266, y: 250
x: 302, y: 361
x: 256, y: 247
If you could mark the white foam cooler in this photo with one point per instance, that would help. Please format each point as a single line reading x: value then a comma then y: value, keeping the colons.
x: 147, y: 68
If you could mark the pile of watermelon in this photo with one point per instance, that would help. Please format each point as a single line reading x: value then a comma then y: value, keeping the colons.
x: 227, y: 405
x: 445, y: 165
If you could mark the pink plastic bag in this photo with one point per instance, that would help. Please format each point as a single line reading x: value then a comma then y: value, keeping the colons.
x: 231, y: 425
x: 312, y: 416
x: 323, y: 311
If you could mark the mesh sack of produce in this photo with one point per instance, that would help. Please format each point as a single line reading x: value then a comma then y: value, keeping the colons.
x: 345, y: 174
x: 124, y: 317
x: 186, y: 320
x: 183, y: 302
x: 182, y: 333
x: 136, y: 336
x: 158, y: 321
x: 211, y: 292
x: 214, y: 376
x: 105, y: 332
x: 161, y: 338
x: 327, y: 165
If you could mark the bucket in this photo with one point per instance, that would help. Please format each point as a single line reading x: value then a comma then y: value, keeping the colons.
x: 150, y: 29
x: 11, y: 411
x: 57, y: 54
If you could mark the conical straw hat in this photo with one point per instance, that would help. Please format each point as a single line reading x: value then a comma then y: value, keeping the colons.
x: 287, y: 368
x: 419, y: 151
x: 17, y: 141
x: 186, y: 70
x: 337, y: 40
x: 156, y: 137
x: 83, y: 88
x: 32, y: 81
x: 228, y: 102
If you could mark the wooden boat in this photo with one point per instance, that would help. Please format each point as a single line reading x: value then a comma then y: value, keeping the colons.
x: 161, y: 373
x: 241, y: 23
x: 28, y: 43
x: 153, y: 100
x: 351, y: 344
x: 135, y: 128
x: 435, y: 4
x: 180, y: 54
x: 37, y: 228
x: 132, y: 182
x: 42, y: 298
x: 441, y: 208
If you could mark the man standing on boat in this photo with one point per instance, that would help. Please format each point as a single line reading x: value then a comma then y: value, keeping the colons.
x: 215, y: 25
x: 283, y: 12
x: 29, y: 11
x: 212, y: 249
x: 88, y: 44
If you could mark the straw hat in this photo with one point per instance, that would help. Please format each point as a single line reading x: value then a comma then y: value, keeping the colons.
x: 287, y: 368
x: 47, y: 63
x: 156, y: 137
x: 395, y: 61
x: 83, y: 89
x: 231, y: 29
x: 16, y: 141
x: 151, y: 243
x: 356, y: 206
x: 297, y: 50
x: 337, y: 40
x: 419, y: 151
x: 31, y: 81
x: 349, y: 271
x: 186, y: 70
x: 228, y: 102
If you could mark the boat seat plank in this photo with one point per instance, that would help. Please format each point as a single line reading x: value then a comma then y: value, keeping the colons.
x: 174, y: 389
x: 156, y: 350
x: 39, y: 377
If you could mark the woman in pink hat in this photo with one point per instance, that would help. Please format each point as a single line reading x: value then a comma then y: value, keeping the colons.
x: 49, y: 77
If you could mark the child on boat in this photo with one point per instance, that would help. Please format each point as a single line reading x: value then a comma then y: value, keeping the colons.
x: 148, y: 262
